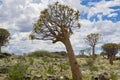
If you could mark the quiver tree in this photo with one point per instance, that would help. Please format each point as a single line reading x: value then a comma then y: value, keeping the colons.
x: 4, y: 37
x: 56, y: 23
x: 82, y: 52
x: 88, y: 51
x: 92, y: 40
x: 110, y: 49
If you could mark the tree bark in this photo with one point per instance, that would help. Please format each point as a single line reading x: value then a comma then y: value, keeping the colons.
x: 93, y: 52
x: 76, y: 72
x: 114, y: 57
x: 0, y: 49
x: 111, y: 60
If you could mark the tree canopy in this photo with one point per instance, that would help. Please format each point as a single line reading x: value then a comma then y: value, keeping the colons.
x: 92, y: 39
x: 55, y: 21
x: 4, y: 37
x: 110, y: 49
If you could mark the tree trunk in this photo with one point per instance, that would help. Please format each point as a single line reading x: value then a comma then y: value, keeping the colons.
x: 0, y: 49
x: 111, y: 60
x: 93, y: 52
x: 76, y: 72
x: 114, y: 57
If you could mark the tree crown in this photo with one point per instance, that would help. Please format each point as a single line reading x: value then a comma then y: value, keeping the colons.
x: 110, y: 48
x: 4, y: 36
x: 55, y: 23
x: 92, y: 39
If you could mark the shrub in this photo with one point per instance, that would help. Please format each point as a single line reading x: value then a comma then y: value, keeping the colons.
x: 63, y: 66
x: 82, y: 56
x: 93, y: 68
x: 31, y: 61
x: 89, y: 62
x: 4, y: 69
x: 113, y: 76
x: 43, y: 53
x: 51, y: 70
x: 17, y: 72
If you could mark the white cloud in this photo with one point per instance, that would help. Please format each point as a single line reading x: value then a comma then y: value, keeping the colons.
x: 112, y: 15
x: 101, y: 7
x: 18, y: 17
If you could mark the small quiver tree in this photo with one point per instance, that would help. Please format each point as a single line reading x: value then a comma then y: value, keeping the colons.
x: 92, y: 40
x: 4, y: 37
x: 110, y: 49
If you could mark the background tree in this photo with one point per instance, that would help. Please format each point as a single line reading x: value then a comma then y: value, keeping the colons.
x: 92, y: 40
x: 56, y: 23
x: 82, y: 52
x: 111, y: 49
x: 4, y: 37
x: 103, y: 54
x: 88, y: 51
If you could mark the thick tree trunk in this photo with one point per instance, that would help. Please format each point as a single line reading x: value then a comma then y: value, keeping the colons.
x: 111, y: 60
x: 76, y: 73
x: 93, y: 52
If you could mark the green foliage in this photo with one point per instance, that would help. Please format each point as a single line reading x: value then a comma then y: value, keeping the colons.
x: 47, y: 59
x: 89, y: 62
x: 86, y: 78
x: 92, y: 39
x: 51, y: 21
x: 4, y: 69
x: 31, y: 60
x: 82, y: 56
x: 63, y: 66
x: 93, y: 68
x: 4, y: 37
x: 113, y: 76
x: 21, y: 58
x: 110, y: 49
x: 51, y: 70
x: 43, y: 53
x: 102, y: 53
x: 17, y: 72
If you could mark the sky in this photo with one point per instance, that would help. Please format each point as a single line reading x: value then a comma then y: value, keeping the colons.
x: 96, y: 16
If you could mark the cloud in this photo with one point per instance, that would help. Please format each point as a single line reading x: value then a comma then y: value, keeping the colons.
x: 18, y: 16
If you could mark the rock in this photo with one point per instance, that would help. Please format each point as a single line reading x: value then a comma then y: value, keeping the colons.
x: 94, y: 78
x: 51, y: 77
x: 37, y: 76
x: 28, y: 77
x: 104, y: 76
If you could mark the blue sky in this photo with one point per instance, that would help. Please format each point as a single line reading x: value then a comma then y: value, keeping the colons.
x: 115, y: 8
x: 96, y: 16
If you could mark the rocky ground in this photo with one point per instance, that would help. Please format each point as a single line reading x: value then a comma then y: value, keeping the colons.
x: 45, y: 68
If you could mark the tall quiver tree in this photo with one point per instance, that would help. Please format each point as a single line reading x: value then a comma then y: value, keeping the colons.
x: 56, y: 23
x: 110, y: 49
x: 92, y: 40
x: 4, y: 37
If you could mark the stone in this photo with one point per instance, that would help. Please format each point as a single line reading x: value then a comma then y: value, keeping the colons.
x: 28, y: 77
x: 37, y: 76
x: 104, y: 76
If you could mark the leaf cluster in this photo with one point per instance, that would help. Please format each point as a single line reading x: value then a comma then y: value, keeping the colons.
x: 110, y: 48
x: 4, y: 36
